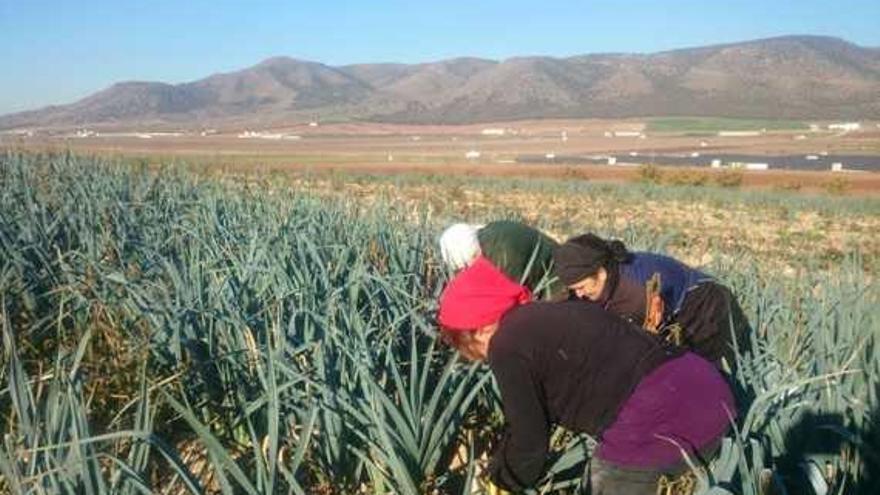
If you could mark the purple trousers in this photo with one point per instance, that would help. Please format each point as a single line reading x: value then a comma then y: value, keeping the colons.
x: 683, y: 405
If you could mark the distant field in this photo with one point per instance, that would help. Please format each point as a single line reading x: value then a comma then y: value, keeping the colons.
x: 711, y: 124
x: 377, y: 165
x: 436, y: 149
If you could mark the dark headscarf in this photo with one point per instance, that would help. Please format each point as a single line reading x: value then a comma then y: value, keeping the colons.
x: 582, y: 256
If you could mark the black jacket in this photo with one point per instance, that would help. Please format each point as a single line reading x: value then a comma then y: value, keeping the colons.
x: 569, y: 363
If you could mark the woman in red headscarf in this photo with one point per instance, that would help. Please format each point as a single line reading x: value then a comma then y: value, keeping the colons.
x: 581, y: 367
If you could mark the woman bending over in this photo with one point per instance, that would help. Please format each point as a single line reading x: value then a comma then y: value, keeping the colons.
x: 658, y: 292
x: 581, y: 367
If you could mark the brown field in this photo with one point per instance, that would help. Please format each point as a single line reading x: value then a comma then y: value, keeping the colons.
x: 698, y: 230
x: 436, y: 149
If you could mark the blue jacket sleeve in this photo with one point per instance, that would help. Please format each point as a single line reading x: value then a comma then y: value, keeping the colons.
x: 676, y: 277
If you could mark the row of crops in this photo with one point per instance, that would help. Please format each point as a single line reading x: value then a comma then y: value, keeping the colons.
x: 166, y: 333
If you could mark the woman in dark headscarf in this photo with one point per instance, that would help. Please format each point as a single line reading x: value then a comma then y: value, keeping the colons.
x: 658, y: 292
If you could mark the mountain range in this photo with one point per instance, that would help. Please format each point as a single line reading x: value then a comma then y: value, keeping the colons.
x: 791, y: 77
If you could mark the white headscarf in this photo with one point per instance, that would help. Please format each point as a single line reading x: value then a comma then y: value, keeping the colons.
x: 459, y: 245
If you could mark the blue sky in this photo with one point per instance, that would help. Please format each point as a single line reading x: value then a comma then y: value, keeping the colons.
x: 55, y: 52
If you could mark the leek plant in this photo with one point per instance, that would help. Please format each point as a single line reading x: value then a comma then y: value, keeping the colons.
x: 164, y: 332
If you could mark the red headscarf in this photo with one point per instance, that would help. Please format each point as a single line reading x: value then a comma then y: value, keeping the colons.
x: 479, y: 295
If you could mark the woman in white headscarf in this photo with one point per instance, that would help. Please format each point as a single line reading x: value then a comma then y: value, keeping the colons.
x: 521, y: 252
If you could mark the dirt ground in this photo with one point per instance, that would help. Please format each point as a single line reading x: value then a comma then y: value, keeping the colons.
x: 435, y: 149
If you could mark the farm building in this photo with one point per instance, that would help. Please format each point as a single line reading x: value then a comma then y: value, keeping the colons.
x: 267, y: 135
x: 750, y: 165
x: 472, y: 155
x: 493, y: 131
x: 844, y: 126
x: 738, y: 133
x: 139, y: 135
x: 164, y: 134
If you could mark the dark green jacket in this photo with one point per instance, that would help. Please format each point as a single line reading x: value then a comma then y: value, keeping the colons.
x: 524, y: 254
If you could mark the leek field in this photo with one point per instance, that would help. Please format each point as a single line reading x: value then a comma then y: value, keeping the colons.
x: 174, y: 330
